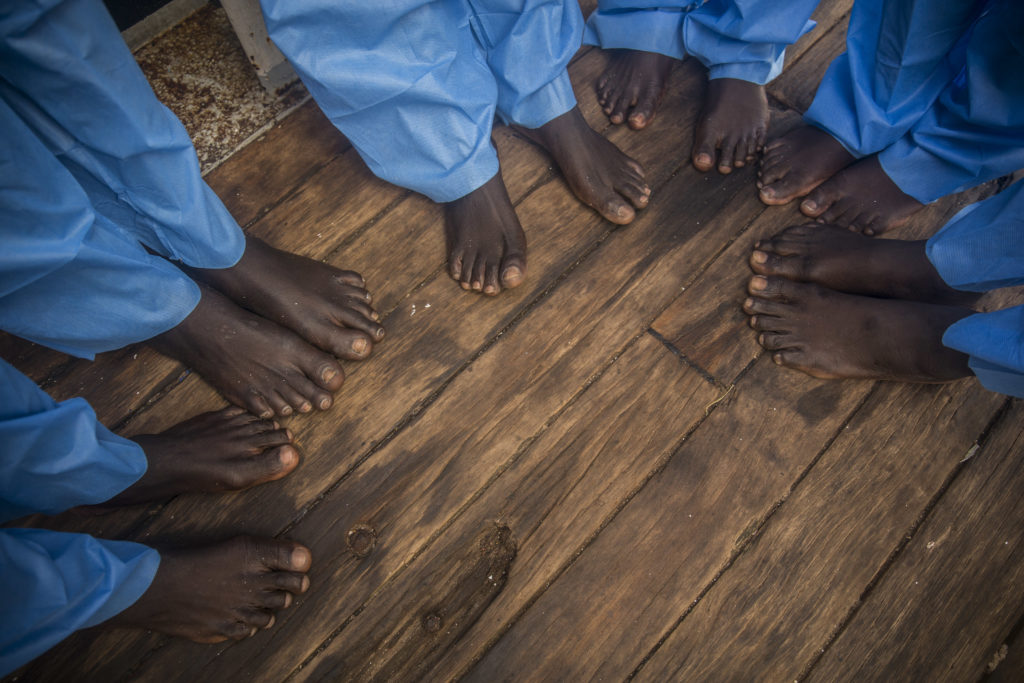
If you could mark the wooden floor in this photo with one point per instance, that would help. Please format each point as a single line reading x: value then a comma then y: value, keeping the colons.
x: 598, y: 475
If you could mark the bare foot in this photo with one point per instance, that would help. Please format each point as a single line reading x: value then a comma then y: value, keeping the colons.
x: 732, y: 125
x: 798, y: 162
x: 486, y: 244
x: 848, y: 262
x: 327, y: 307
x: 251, y: 361
x: 225, y: 591
x: 632, y: 86
x: 599, y: 173
x: 225, y: 450
x: 861, y: 197
x: 833, y: 335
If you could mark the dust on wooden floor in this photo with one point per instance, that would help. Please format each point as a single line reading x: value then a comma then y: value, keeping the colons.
x: 598, y: 474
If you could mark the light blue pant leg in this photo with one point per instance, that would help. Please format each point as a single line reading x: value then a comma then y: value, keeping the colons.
x: 70, y: 77
x: 69, y: 279
x: 975, y: 130
x: 57, y: 456
x: 980, y: 249
x: 528, y: 45
x: 742, y: 39
x: 895, y: 66
x: 405, y: 81
x: 639, y: 25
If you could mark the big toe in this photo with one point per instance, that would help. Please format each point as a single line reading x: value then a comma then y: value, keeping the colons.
x: 770, y: 287
x: 766, y: 262
x: 818, y: 201
x: 513, y: 271
x: 617, y: 210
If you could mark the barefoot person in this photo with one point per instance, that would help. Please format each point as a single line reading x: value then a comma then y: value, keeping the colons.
x: 741, y: 42
x: 415, y: 86
x: 835, y: 304
x: 926, y: 101
x: 100, y: 190
x: 57, y: 456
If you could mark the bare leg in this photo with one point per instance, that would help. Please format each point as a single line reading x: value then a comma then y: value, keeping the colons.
x: 863, y: 198
x: 798, y: 162
x: 226, y: 450
x: 849, y: 262
x: 732, y: 125
x: 632, y: 86
x: 327, y: 307
x: 225, y: 591
x: 599, y: 173
x: 833, y: 335
x: 253, y: 362
x: 486, y: 244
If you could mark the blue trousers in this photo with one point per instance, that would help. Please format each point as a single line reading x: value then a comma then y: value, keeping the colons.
x: 93, y: 172
x: 415, y: 85
x: 56, y: 456
x: 742, y: 39
x: 981, y: 249
x: 932, y: 87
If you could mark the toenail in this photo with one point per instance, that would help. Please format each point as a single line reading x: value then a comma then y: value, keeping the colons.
x: 359, y: 345
x: 361, y: 540
x: 301, y: 559
x: 809, y: 205
x: 758, y: 282
x: 759, y: 257
x: 703, y: 159
x: 328, y: 374
x: 325, y: 404
x: 304, y: 586
x: 267, y: 414
x: 306, y: 407
x: 286, y: 410
x: 288, y: 434
x: 749, y: 303
x: 287, y: 457
x: 375, y: 315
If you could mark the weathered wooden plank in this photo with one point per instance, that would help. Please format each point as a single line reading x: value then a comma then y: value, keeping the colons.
x: 411, y: 486
x: 953, y: 595
x: 768, y: 616
x: 796, y: 86
x: 269, y: 168
x: 1007, y: 663
x: 662, y: 550
x: 553, y: 498
x: 827, y: 15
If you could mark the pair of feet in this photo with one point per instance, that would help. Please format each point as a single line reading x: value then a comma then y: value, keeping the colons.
x: 225, y: 590
x: 268, y: 332
x: 836, y: 304
x: 837, y: 188
x: 486, y: 243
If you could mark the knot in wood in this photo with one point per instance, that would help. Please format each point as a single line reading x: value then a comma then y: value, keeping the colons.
x: 361, y: 540
x: 432, y: 623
